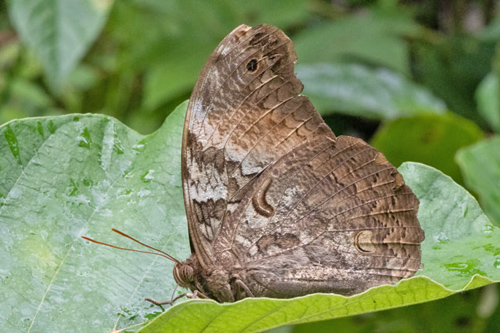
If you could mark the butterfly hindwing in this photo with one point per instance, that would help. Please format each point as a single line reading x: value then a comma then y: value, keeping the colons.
x: 340, y: 220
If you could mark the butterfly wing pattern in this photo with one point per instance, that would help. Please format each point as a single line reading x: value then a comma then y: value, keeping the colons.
x: 277, y: 205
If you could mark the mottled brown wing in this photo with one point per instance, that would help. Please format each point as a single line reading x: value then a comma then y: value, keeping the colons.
x: 326, y: 217
x: 244, y: 114
x: 273, y: 196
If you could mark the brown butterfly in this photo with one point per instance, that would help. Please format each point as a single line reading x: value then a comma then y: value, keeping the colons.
x: 277, y: 205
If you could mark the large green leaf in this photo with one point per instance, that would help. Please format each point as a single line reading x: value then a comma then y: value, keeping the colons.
x: 64, y: 177
x: 472, y: 311
x: 360, y: 91
x: 480, y: 164
x: 460, y: 253
x: 429, y: 139
x: 59, y: 31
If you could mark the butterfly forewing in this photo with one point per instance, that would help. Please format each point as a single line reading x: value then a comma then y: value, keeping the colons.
x: 272, y: 196
x: 243, y: 115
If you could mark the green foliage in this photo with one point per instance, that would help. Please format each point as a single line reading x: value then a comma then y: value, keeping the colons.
x: 480, y: 165
x: 427, y: 74
x: 373, y: 37
x: 459, y: 251
x: 81, y: 173
x: 429, y: 139
x: 60, y: 32
x: 488, y: 101
x: 457, y: 313
x: 453, y: 68
x: 360, y: 91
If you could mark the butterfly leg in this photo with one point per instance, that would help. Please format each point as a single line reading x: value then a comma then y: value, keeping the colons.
x: 171, y: 302
x: 196, y: 294
x: 172, y: 299
x: 245, y: 288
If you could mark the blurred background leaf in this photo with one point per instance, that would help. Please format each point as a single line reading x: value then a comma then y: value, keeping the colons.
x: 488, y: 100
x: 480, y: 164
x: 452, y: 68
x: 374, y: 35
x: 419, y: 79
x: 429, y: 139
x: 360, y: 91
x: 59, y: 31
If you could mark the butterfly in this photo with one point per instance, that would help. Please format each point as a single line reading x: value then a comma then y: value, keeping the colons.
x: 276, y: 204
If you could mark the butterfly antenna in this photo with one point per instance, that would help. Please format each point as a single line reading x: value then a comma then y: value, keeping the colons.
x: 161, y: 253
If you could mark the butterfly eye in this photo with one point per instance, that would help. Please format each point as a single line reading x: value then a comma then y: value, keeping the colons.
x: 252, y: 65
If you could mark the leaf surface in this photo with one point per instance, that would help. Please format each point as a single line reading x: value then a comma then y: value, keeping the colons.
x: 460, y: 252
x: 64, y: 177
x: 69, y: 176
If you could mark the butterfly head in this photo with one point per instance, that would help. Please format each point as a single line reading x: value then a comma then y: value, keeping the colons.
x: 184, y: 275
